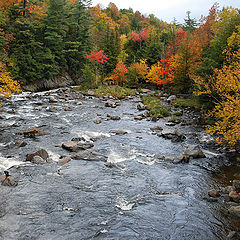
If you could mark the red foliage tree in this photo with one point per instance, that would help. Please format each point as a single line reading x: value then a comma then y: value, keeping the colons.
x: 120, y: 73
x: 97, y: 57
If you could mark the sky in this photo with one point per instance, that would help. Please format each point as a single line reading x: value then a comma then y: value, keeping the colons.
x: 166, y: 10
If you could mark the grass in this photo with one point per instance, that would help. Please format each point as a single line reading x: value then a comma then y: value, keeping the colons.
x: 188, y: 102
x: 153, y: 104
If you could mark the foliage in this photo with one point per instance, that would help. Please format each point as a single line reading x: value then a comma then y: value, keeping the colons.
x: 120, y: 73
x: 161, y: 72
x: 137, y: 72
x: 188, y: 102
x: 97, y: 57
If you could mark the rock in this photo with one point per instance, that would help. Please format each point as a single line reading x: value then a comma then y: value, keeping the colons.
x: 194, y: 151
x: 138, y: 117
x: 233, y: 236
x: 115, y: 118
x: 141, y: 106
x: 156, y: 128
x: 78, y: 139
x: 79, y: 103
x: 68, y: 108
x: 234, y: 196
x: 91, y: 92
x: 226, y: 190
x: 182, y: 159
x: 38, y: 160
x: 19, y: 144
x: 235, y: 211
x: 236, y: 185
x: 51, y: 108
x: 52, y: 100
x: 63, y: 161
x: 207, y: 139
x: 97, y: 121
x: 76, y: 146
x: 213, y: 193
x: 170, y: 124
x: 145, y: 90
x: 35, y: 132
x: 172, y: 134
x: 118, y: 131
x: 212, y: 199
x: 42, y: 153
x: 110, y: 104
x: 171, y: 98
x: 90, y: 155
x: 8, y: 180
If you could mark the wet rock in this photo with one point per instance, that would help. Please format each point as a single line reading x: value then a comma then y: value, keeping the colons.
x: 171, y: 98
x: 170, y: 124
x: 213, y: 193
x: 118, y: 131
x: 115, y: 118
x: 172, y: 134
x: 76, y: 146
x: 146, y: 114
x: 35, y: 132
x: 90, y: 155
x: 52, y: 100
x: 236, y: 185
x: 207, y: 139
x: 19, y: 144
x: 110, y: 104
x: 141, y: 106
x: 64, y: 161
x: 8, y: 180
x: 38, y: 160
x: 68, y: 108
x: 138, y: 117
x: 42, y: 153
x: 97, y: 121
x: 91, y: 93
x: 235, y: 211
x: 79, y: 103
x: 234, y: 196
x: 233, y: 236
x: 212, y: 199
x: 78, y: 139
x: 182, y: 159
x: 145, y: 90
x: 226, y: 190
x: 51, y: 108
x: 194, y: 151
x: 156, y: 128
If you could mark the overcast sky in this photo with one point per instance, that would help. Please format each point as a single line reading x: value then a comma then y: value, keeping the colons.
x: 168, y: 9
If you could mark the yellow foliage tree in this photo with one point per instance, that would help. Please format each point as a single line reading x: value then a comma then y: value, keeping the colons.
x: 226, y: 84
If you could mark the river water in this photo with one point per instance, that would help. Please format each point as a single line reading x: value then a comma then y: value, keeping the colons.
x: 138, y: 196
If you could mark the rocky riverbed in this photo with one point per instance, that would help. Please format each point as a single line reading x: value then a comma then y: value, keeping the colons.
x: 80, y: 167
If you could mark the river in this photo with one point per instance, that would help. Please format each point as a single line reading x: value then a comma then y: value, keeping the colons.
x: 134, y: 195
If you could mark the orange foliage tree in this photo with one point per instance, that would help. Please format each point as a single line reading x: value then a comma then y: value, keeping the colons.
x: 137, y: 71
x: 120, y: 73
x: 161, y: 72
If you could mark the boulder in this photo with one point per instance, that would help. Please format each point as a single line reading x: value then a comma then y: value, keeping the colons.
x: 141, y: 106
x: 236, y: 185
x: 8, y: 180
x: 97, y: 121
x: 38, y: 160
x: 138, y: 117
x: 64, y: 160
x: 115, y: 118
x: 110, y: 104
x: 76, y: 146
x: 90, y: 155
x: 35, y: 132
x: 118, y: 131
x: 42, y: 153
x: 213, y: 193
x: 171, y: 98
x: 235, y: 211
x: 172, y: 134
x: 52, y: 100
x: 234, y: 196
x: 194, y: 151
x: 156, y: 128
x: 19, y: 144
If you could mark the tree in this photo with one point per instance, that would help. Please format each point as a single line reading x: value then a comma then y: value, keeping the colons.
x: 190, y: 23
x: 120, y: 73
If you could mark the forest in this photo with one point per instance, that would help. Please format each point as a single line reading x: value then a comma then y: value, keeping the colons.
x: 49, y: 39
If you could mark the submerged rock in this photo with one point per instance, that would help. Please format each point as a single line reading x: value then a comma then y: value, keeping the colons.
x: 64, y: 160
x: 90, y: 155
x: 76, y: 146
x: 118, y: 131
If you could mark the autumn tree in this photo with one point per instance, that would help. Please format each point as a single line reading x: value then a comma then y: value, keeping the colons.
x: 120, y: 73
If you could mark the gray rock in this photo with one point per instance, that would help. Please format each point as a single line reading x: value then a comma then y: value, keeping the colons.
x: 194, y: 151
x: 156, y: 128
x: 235, y: 211
x: 90, y: 155
x: 76, y: 146
x: 64, y: 160
x: 19, y: 144
x: 97, y: 121
x: 52, y: 100
x: 38, y: 160
x: 172, y: 134
x: 42, y: 153
x: 110, y: 104
x: 118, y: 131
x: 141, y: 106
x: 236, y: 185
x: 115, y: 118
x: 171, y: 98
